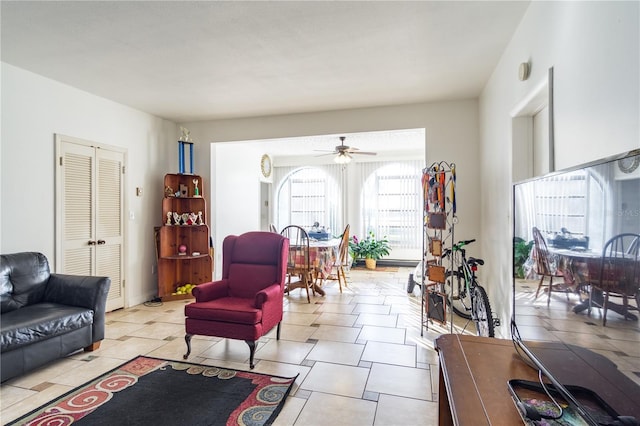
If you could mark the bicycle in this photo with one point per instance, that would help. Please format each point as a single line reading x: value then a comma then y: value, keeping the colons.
x: 468, y: 299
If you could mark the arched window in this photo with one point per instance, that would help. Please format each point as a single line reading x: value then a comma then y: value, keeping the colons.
x: 309, y: 195
x: 391, y: 201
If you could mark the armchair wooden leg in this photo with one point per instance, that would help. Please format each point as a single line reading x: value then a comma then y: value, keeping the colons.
x: 187, y: 339
x: 278, y: 331
x: 252, y: 350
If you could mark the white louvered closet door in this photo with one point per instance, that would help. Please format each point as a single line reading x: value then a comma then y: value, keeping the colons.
x: 89, y: 216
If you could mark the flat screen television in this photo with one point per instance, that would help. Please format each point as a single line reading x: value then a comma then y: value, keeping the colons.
x: 578, y: 211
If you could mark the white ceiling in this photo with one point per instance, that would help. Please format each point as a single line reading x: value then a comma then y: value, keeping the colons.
x: 202, y: 60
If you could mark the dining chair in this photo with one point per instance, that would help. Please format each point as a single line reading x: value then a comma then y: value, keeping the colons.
x: 298, y: 260
x: 342, y: 261
x: 618, y: 274
x: 546, y: 265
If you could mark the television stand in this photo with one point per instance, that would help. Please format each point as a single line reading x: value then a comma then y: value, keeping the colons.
x: 474, y: 372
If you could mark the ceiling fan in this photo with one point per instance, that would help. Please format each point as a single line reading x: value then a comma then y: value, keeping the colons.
x: 344, y: 152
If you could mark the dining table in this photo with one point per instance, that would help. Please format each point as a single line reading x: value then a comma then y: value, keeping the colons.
x: 322, y: 256
x: 583, y: 268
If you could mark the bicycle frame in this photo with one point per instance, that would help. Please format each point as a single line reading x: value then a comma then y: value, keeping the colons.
x: 472, y: 300
x: 464, y: 269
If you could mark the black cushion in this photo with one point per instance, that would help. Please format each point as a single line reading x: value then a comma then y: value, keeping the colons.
x: 23, y: 279
x: 41, y: 321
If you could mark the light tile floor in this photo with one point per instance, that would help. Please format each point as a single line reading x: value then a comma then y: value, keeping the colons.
x: 359, y: 356
x: 619, y: 340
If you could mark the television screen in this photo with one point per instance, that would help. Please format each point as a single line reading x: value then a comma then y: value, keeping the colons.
x: 567, y: 225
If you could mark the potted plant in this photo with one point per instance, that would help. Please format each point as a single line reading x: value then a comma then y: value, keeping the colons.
x: 369, y: 248
x: 520, y: 255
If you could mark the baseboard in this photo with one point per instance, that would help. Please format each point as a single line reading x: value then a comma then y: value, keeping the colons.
x: 397, y: 262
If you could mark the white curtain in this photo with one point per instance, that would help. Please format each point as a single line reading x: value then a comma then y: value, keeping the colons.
x: 391, y: 202
x: 304, y: 195
x: 575, y: 201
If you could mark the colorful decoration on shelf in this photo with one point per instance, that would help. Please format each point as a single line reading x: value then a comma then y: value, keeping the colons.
x: 192, y: 218
x: 186, y: 135
x: 184, y: 289
x: 185, y: 218
x: 182, y: 250
x: 185, y: 139
x: 196, y: 191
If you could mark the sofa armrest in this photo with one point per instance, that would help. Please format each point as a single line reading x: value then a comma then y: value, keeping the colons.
x: 84, y: 291
x: 211, y: 290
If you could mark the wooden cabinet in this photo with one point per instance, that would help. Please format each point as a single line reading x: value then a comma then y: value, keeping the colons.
x: 183, y: 238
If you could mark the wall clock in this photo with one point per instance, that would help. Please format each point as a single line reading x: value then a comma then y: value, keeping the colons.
x: 629, y: 164
x: 265, y: 165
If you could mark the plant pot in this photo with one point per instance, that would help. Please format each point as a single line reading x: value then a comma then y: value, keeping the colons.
x: 370, y: 263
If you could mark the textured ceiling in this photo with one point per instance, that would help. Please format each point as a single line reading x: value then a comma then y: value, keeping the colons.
x: 189, y: 61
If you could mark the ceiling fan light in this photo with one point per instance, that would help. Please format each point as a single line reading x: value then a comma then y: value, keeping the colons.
x: 342, y: 158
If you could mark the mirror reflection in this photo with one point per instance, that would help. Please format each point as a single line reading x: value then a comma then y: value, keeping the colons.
x: 576, y: 265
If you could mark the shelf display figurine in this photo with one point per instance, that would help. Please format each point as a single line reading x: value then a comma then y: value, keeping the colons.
x: 196, y: 190
x: 192, y: 218
x: 200, y: 221
x: 185, y: 218
x: 176, y: 218
x: 168, y: 192
x: 169, y: 214
x: 186, y: 135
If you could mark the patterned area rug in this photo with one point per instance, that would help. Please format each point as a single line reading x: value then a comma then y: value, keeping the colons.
x: 153, y: 391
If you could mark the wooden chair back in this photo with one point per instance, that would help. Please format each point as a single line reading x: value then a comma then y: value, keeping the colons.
x: 620, y: 265
x: 343, y: 250
x: 544, y: 264
x: 298, y: 259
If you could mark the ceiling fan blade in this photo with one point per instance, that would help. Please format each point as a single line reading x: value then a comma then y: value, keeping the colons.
x: 363, y: 153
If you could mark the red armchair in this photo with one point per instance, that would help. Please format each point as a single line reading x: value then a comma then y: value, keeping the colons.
x: 247, y: 302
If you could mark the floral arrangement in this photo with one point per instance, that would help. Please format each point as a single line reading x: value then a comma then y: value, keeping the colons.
x: 369, y: 247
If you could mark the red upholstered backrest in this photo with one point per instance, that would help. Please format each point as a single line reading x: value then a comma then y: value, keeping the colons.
x: 253, y: 261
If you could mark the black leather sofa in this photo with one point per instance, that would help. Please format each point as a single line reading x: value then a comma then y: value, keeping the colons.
x: 46, y: 316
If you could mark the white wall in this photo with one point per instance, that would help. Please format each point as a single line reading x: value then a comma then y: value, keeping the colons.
x: 33, y: 110
x: 451, y: 133
x: 594, y: 50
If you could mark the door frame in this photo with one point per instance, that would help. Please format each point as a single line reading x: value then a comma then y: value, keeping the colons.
x: 59, y: 141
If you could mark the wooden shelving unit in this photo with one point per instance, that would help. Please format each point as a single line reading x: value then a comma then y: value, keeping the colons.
x: 188, y: 229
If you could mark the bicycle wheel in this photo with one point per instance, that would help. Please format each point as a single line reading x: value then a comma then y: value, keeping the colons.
x: 481, y: 312
x: 459, y: 299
